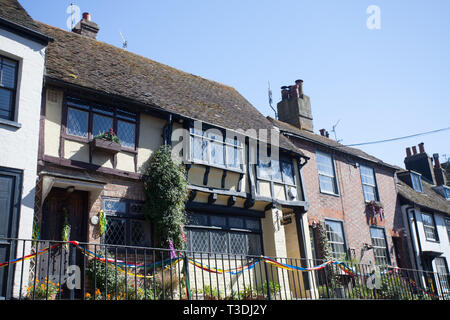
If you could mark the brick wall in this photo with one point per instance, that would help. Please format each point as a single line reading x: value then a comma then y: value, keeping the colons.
x: 349, y: 206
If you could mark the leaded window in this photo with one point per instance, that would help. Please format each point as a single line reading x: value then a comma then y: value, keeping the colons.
x: 327, y: 175
x: 8, y: 87
x: 379, y: 245
x: 223, y: 234
x: 336, y: 238
x: 369, y: 184
x: 126, y: 224
x: 82, y: 116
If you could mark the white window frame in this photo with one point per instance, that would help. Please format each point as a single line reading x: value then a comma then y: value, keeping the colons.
x: 327, y: 175
x: 427, y: 228
x: 365, y: 184
x: 386, y: 258
x: 416, y: 182
x: 206, y: 153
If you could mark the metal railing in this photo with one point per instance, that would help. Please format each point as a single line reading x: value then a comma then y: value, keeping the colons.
x: 53, y: 270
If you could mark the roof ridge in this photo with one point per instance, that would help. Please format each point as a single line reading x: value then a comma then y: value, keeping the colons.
x: 134, y: 54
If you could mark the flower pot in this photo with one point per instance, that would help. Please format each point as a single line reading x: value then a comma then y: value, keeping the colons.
x: 106, y: 146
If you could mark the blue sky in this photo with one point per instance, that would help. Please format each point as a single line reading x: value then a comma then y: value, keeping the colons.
x: 379, y: 84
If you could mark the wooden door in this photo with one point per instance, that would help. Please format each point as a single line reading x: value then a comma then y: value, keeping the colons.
x: 59, y: 205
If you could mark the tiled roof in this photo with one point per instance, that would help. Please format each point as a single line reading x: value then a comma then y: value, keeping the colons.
x: 327, y: 142
x: 12, y: 11
x: 429, y: 199
x: 86, y: 62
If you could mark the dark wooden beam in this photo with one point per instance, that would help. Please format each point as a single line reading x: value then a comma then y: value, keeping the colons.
x: 206, y: 176
x: 192, y: 195
x: 231, y: 201
x: 249, y: 203
x: 212, y: 198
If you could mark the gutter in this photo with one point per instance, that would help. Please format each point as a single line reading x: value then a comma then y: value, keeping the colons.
x: 25, y: 32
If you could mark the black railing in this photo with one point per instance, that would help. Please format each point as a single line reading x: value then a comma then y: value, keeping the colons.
x: 53, y: 270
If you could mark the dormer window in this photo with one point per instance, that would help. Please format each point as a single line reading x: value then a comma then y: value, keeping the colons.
x: 416, y: 182
x: 447, y: 193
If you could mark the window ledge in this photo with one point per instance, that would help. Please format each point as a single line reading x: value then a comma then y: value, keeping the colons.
x: 10, y: 123
x: 330, y: 194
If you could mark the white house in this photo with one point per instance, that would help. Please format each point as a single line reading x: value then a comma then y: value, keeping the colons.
x: 22, y: 56
x: 425, y: 208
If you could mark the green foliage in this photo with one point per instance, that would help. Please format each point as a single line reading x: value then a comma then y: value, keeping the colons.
x: 166, y: 191
x: 109, y: 136
x: 104, y: 276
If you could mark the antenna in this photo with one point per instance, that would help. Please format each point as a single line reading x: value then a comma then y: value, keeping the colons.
x: 71, y: 17
x: 334, y: 131
x: 271, y: 101
x: 124, y: 41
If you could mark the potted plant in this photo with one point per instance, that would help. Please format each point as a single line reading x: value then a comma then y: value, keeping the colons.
x: 375, y: 208
x: 107, y: 142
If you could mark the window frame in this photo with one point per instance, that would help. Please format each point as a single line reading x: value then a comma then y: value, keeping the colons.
x: 93, y: 109
x: 227, y: 229
x: 386, y: 245
x: 225, y: 145
x: 281, y: 160
x: 344, y: 243
x: 129, y: 218
x: 13, y: 101
x: 419, y: 187
x: 427, y: 226
x: 334, y: 177
x: 447, y: 225
x: 375, y: 186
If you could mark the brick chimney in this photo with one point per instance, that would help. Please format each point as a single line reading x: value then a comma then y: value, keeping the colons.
x: 439, y: 173
x: 295, y: 107
x: 420, y: 162
x: 86, y: 27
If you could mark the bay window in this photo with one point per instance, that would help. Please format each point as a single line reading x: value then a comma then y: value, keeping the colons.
x: 211, y: 147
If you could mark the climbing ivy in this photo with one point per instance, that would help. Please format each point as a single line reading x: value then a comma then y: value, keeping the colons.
x: 166, y: 190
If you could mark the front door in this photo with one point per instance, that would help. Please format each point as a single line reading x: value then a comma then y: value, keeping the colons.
x: 59, y: 208
x: 10, y: 194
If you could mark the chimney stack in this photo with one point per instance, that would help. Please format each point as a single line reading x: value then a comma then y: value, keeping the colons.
x: 322, y: 132
x: 86, y: 27
x: 295, y: 107
x: 440, y: 176
x: 420, y: 162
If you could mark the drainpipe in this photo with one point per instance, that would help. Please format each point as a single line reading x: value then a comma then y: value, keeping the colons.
x: 407, y: 209
x: 418, y: 240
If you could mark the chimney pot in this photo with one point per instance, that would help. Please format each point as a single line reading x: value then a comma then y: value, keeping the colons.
x: 437, y: 164
x: 414, y: 149
x: 327, y: 134
x: 322, y: 132
x: 421, y: 148
x: 408, y: 152
x: 87, y: 16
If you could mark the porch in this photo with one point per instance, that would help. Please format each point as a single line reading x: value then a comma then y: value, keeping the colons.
x: 54, y: 270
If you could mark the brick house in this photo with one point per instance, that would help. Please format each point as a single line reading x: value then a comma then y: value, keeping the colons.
x: 340, y: 184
